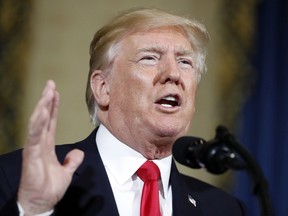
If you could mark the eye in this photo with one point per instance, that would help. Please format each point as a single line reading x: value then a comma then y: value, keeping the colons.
x: 187, y: 63
x: 149, y: 60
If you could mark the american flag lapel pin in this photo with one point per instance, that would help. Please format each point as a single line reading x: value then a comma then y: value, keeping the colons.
x: 192, y: 200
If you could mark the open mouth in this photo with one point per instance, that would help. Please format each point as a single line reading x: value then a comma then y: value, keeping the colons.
x: 169, y: 101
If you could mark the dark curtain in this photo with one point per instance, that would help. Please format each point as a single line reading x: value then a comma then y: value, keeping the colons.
x: 14, y: 50
x: 264, y: 119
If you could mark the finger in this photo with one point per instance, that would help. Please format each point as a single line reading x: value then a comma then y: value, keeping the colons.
x: 50, y: 84
x: 73, y: 160
x: 54, y: 114
x: 41, y: 116
x: 44, y: 105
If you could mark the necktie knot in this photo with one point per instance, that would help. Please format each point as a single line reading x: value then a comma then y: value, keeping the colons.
x: 148, y: 171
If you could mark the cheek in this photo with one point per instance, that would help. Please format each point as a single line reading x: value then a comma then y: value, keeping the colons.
x: 191, y: 85
x: 191, y: 95
x: 129, y: 96
x: 141, y: 84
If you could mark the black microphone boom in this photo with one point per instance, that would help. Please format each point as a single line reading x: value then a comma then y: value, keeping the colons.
x: 217, y: 157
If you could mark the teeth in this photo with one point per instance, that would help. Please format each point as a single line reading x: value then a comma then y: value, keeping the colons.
x: 166, y: 105
x: 170, y: 98
x: 168, y: 101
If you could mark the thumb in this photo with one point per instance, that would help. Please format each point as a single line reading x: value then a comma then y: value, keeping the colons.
x: 73, y: 160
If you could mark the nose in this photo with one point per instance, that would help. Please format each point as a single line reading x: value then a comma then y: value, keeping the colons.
x: 169, y: 72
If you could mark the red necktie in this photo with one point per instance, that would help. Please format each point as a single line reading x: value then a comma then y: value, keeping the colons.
x: 149, y: 174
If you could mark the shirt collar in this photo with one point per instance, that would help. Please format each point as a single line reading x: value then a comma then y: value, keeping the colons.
x: 122, y: 161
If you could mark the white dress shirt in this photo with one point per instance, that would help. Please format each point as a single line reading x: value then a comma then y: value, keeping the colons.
x: 121, y: 162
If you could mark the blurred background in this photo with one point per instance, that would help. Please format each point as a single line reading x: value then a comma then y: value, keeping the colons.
x: 245, y: 88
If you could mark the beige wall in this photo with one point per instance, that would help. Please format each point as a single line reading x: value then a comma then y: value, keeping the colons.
x: 61, y: 33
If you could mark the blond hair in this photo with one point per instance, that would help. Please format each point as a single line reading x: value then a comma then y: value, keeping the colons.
x: 105, y: 43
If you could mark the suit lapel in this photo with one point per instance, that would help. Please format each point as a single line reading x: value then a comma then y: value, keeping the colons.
x: 90, y: 192
x: 185, y: 202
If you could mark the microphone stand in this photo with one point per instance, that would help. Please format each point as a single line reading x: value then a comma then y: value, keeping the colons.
x: 260, y: 185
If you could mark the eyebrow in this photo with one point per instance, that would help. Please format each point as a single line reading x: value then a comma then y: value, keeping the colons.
x: 156, y: 49
x: 159, y: 49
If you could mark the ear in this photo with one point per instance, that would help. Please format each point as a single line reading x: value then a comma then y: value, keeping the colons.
x: 100, y: 88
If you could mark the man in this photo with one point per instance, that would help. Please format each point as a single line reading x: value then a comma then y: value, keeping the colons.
x: 144, y: 69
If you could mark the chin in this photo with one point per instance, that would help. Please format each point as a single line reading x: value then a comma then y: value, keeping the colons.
x: 169, y: 131
x: 168, y: 127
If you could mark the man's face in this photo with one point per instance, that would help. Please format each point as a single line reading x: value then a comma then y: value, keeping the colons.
x: 152, y: 86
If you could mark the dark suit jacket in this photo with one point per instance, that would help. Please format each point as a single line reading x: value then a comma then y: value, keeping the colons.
x: 90, y: 192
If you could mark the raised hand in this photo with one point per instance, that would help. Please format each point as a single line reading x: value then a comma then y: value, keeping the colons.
x: 44, y: 180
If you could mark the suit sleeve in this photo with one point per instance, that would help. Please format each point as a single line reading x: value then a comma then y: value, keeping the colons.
x: 8, y: 198
x: 10, y: 171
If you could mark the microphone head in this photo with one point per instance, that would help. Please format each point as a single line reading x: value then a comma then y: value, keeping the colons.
x: 196, y: 153
x: 216, y: 156
x: 184, y: 151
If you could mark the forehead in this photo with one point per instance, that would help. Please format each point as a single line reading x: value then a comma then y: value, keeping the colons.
x: 161, y: 39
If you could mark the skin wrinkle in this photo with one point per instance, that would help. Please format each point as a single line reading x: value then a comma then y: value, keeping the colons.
x: 137, y: 22
x: 147, y: 127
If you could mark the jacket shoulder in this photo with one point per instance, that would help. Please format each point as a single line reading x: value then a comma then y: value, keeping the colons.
x: 214, y: 200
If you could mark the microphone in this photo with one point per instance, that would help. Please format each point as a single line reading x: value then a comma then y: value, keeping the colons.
x: 215, y: 155
x: 220, y: 154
